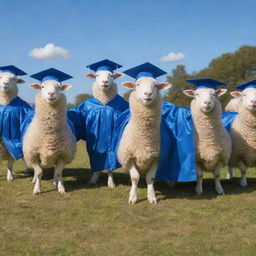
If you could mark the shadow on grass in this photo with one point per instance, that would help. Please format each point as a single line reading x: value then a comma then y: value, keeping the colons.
x: 181, y: 190
x: 187, y: 190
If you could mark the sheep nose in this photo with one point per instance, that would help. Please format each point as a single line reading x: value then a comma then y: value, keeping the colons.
x: 51, y: 93
x: 148, y: 93
x: 105, y: 81
x: 207, y: 102
x: 253, y: 101
x: 5, y: 83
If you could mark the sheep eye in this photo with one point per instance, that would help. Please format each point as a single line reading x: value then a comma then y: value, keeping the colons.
x: 197, y: 94
x: 138, y: 84
x: 214, y: 94
x: 42, y: 86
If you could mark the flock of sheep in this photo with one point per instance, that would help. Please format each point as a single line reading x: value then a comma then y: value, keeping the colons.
x: 48, y: 133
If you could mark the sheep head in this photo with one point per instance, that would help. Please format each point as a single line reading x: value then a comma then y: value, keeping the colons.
x: 248, y: 97
x: 104, y: 79
x: 8, y: 82
x: 51, y: 90
x: 205, y: 98
x: 147, y: 89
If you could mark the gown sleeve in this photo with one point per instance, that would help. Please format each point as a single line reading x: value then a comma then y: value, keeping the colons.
x: 77, y: 120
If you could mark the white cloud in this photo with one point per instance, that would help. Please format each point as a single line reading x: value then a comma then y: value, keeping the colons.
x: 50, y: 51
x: 172, y: 56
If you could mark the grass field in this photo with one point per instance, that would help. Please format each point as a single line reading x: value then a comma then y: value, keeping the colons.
x: 98, y: 221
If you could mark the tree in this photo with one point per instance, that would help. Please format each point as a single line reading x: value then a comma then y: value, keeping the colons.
x: 231, y: 68
x: 81, y: 97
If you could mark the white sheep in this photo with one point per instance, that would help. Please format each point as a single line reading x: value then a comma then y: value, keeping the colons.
x: 139, y: 147
x: 212, y: 141
x: 12, y: 110
x: 96, y: 116
x: 243, y: 134
x: 49, y: 141
x: 233, y: 105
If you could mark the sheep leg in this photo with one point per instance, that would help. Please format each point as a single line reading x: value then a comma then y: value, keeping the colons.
x: 58, y: 170
x: 95, y: 177
x: 199, y: 182
x: 10, y: 164
x: 218, y: 186
x: 111, y: 183
x: 243, y: 181
x: 150, y: 177
x: 230, y: 173
x: 135, y: 176
x: 37, y: 177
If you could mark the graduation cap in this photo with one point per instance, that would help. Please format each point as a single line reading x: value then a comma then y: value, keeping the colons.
x: 51, y: 74
x: 13, y: 70
x: 205, y: 83
x: 145, y: 70
x: 106, y: 64
x: 250, y: 84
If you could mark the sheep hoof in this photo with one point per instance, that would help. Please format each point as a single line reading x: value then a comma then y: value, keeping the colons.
x: 36, y: 192
x: 132, y: 200
x: 10, y: 177
x: 243, y: 183
x: 55, y: 182
x: 199, y: 191
x: 229, y: 176
x: 152, y: 200
x: 220, y: 191
x: 61, y: 188
x: 111, y: 184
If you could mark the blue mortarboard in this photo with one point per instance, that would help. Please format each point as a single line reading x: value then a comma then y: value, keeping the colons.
x: 250, y: 84
x: 106, y: 64
x: 205, y: 83
x: 51, y: 74
x: 145, y: 70
x: 12, y: 69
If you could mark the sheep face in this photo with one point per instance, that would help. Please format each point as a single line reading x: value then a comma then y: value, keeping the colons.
x: 248, y: 97
x: 51, y: 90
x: 205, y: 98
x: 147, y: 89
x: 8, y: 82
x: 104, y: 78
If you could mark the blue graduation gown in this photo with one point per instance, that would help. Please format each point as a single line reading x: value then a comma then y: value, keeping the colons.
x: 228, y: 118
x: 11, y: 118
x: 177, y: 150
x: 94, y: 122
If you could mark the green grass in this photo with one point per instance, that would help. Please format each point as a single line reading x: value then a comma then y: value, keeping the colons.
x: 98, y: 221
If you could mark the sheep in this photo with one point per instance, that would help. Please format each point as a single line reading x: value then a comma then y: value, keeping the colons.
x: 48, y: 140
x: 243, y: 134
x: 100, y: 111
x: 233, y: 105
x: 212, y: 141
x: 139, y: 147
x: 11, y: 107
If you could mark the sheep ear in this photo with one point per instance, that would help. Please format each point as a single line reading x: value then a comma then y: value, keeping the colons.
x: 129, y: 85
x: 35, y: 86
x: 90, y: 75
x: 20, y: 81
x: 189, y: 93
x: 118, y: 75
x: 163, y: 86
x: 65, y: 87
x: 220, y: 92
x: 236, y: 94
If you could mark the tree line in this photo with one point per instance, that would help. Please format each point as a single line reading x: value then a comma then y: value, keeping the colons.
x: 231, y: 68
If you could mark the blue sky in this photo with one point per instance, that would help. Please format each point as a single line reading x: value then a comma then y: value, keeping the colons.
x: 129, y: 32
